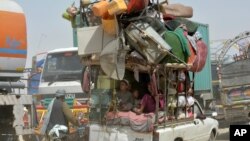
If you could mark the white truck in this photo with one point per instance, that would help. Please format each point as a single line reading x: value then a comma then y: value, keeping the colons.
x: 135, y: 53
x: 16, y: 109
x: 62, y: 70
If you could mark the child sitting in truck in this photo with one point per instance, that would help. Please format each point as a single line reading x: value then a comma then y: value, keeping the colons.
x: 124, y: 96
x: 148, y: 102
x: 136, y: 99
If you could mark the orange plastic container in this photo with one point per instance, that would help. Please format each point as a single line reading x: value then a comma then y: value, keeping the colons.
x: 117, y: 7
x: 109, y: 24
x: 100, y: 8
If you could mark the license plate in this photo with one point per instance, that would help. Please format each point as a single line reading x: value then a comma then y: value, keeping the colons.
x: 71, y: 96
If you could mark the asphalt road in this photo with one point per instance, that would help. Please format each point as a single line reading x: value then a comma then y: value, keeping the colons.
x: 223, y: 134
x: 224, y: 130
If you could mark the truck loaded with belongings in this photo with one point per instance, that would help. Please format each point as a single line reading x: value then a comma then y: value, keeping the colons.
x: 152, y: 46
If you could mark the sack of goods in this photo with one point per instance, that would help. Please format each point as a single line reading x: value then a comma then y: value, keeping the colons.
x: 185, y: 101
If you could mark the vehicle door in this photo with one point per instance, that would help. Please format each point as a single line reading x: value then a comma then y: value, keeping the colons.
x: 193, y: 131
x: 187, y: 131
x: 202, y: 124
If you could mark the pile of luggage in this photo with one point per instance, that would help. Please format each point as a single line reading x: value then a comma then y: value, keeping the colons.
x: 155, y: 30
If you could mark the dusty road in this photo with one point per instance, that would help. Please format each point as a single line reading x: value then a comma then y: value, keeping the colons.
x: 224, y: 130
x: 224, y: 134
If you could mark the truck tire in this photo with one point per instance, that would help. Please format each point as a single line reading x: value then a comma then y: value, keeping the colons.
x: 248, y: 116
x: 212, y: 137
x: 9, y: 138
x: 178, y: 139
x: 31, y: 138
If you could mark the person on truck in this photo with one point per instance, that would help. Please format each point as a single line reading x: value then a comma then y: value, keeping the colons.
x: 34, y: 78
x: 148, y: 102
x: 60, y: 113
x: 136, y: 98
x: 124, y: 96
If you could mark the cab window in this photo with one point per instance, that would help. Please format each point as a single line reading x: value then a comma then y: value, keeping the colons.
x: 197, y: 109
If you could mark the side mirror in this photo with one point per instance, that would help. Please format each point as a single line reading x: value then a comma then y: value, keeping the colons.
x: 214, y: 114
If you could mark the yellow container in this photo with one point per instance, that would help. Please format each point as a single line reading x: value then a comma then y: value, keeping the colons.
x: 117, y: 7
x: 66, y: 16
x: 100, y: 8
x: 104, y: 82
x: 109, y: 24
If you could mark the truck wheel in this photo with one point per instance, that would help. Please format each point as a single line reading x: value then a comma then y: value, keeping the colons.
x: 31, y: 138
x: 248, y: 116
x: 9, y: 138
x: 212, y: 137
x: 178, y: 139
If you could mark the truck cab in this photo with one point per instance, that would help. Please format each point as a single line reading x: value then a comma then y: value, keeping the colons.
x: 62, y: 70
x: 201, y: 128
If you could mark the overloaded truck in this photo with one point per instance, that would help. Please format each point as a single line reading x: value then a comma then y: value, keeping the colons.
x: 133, y: 43
x: 234, y: 81
x: 140, y: 49
x: 16, y: 109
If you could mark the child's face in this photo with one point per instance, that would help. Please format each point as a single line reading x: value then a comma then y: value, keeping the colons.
x: 135, y: 94
x: 123, y: 86
x: 150, y: 87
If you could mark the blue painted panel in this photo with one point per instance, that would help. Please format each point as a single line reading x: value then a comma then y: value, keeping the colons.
x: 203, y: 79
x: 75, y: 43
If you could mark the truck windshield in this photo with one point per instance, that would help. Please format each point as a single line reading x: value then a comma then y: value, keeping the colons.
x: 63, y: 66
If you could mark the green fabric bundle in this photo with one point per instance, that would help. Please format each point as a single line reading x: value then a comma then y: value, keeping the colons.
x: 179, y: 44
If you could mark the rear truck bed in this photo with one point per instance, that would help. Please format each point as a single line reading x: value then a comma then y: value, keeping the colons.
x: 16, y: 115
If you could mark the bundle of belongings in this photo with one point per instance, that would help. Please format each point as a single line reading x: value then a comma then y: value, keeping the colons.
x: 158, y: 31
x: 141, y: 123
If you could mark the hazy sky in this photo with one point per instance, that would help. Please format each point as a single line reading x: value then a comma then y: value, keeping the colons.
x: 48, y: 30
